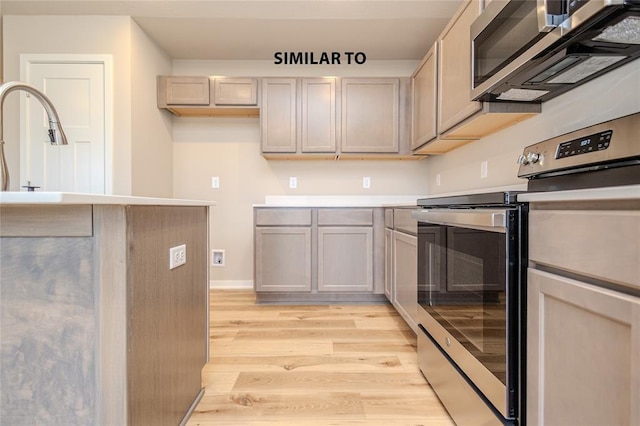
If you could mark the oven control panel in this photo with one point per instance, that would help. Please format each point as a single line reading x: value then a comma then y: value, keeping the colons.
x: 596, y: 142
x: 610, y: 142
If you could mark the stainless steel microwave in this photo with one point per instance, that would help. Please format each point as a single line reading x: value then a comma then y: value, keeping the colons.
x: 535, y: 50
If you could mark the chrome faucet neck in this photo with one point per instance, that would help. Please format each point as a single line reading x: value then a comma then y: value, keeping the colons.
x: 56, y: 133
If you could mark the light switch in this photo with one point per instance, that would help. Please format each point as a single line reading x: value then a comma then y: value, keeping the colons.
x: 215, y: 182
x: 366, y: 182
x: 293, y: 182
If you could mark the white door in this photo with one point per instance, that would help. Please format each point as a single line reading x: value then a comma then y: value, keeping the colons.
x: 77, y: 90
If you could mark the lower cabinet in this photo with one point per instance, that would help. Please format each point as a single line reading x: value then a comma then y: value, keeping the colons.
x: 583, y: 313
x: 345, y: 256
x: 388, y: 264
x: 283, y: 259
x: 405, y: 268
x: 319, y: 254
x: 583, y: 349
x: 401, y: 263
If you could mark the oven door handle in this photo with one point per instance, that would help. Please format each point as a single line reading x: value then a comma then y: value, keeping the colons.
x: 486, y: 219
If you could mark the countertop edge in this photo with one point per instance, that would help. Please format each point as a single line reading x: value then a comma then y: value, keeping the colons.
x: 336, y: 201
x: 629, y: 192
x: 39, y: 198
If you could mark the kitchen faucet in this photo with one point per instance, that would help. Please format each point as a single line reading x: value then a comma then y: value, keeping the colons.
x: 56, y: 134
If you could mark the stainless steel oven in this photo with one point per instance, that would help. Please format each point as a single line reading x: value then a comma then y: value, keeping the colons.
x: 472, y: 262
x: 471, y: 251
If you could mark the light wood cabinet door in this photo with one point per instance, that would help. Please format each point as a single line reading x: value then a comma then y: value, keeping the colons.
x: 388, y: 264
x: 454, y: 70
x: 283, y: 259
x: 610, y: 253
x: 425, y: 99
x: 583, y: 365
x: 405, y: 269
x: 370, y: 115
x: 235, y: 91
x: 345, y: 259
x: 318, y: 106
x: 278, y: 115
x: 431, y: 259
x: 187, y: 90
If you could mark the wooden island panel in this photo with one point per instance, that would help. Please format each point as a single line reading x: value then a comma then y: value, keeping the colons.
x: 96, y: 329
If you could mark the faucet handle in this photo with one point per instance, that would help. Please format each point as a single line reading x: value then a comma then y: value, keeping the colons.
x: 30, y: 188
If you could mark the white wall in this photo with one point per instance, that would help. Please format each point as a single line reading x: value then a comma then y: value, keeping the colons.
x: 151, y: 128
x: 142, y: 148
x: 612, y: 95
x: 230, y: 149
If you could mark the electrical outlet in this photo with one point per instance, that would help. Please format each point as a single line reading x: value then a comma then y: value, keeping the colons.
x: 484, y: 169
x: 366, y: 182
x: 217, y: 257
x: 293, y: 182
x: 177, y: 256
x: 215, y: 182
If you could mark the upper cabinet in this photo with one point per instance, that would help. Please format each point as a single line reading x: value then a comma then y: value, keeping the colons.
x: 278, y: 120
x: 236, y: 91
x: 454, y: 82
x: 208, y: 96
x: 459, y: 119
x: 332, y: 118
x: 187, y: 90
x: 425, y: 101
x: 370, y: 115
x: 298, y: 116
x: 318, y: 115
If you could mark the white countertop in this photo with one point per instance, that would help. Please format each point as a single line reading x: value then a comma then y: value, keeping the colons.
x: 628, y: 192
x: 369, y: 200
x: 338, y: 200
x: 26, y: 198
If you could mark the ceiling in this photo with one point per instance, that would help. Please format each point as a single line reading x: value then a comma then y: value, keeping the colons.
x: 256, y: 29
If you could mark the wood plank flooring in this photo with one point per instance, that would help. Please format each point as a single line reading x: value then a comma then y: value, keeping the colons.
x: 312, y: 365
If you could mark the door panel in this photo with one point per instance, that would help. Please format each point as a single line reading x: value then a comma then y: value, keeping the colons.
x: 78, y: 93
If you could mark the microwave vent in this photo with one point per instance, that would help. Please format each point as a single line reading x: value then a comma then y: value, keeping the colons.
x: 626, y: 31
x: 522, y: 95
x: 585, y: 69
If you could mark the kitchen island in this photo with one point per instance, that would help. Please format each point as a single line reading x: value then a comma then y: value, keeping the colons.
x: 95, y: 326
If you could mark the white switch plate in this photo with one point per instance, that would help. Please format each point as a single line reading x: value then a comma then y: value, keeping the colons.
x: 438, y: 179
x: 293, y: 182
x: 366, y: 182
x: 177, y: 256
x: 215, y: 182
x: 484, y: 169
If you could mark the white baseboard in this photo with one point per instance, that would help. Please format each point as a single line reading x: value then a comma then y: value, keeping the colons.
x: 231, y: 284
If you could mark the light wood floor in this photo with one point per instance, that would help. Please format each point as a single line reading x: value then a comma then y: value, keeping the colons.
x: 312, y: 365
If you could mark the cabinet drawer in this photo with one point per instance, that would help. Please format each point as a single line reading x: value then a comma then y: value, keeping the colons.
x: 596, y: 243
x: 353, y: 217
x: 283, y: 216
x: 403, y: 221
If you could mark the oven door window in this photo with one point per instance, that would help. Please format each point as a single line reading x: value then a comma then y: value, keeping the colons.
x: 461, y: 284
